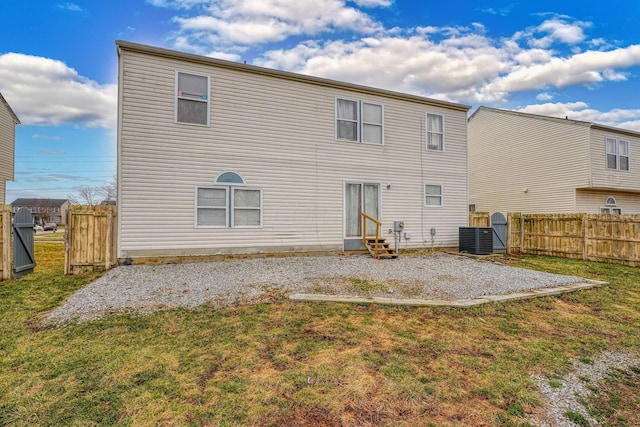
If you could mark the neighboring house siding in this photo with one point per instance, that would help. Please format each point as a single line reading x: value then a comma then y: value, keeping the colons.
x: 590, y: 201
x: 614, y: 179
x: 7, y: 147
x: 510, y: 152
x: 279, y: 135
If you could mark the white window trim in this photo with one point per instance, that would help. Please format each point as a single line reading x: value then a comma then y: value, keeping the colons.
x: 197, y: 207
x: 175, y: 98
x: 610, y: 210
x: 359, y: 121
x: 233, y: 208
x: 618, y: 143
x: 424, y: 195
x: 229, y: 207
x: 426, y: 132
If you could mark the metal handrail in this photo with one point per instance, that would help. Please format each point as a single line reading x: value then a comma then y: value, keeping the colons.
x: 364, y: 232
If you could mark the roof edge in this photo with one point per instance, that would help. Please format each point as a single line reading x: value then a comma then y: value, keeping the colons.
x: 287, y: 75
x: 16, y: 120
x: 558, y: 119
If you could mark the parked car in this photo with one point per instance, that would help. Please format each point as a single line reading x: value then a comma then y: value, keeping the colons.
x: 36, y: 228
x: 50, y: 226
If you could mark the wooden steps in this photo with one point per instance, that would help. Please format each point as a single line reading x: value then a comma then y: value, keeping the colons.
x: 384, y: 249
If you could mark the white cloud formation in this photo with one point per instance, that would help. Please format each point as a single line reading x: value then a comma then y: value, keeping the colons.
x: 247, y: 22
x: 627, y: 119
x: 544, y: 96
x: 45, y: 91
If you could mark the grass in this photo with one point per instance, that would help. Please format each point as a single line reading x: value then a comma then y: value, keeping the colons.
x: 306, y: 364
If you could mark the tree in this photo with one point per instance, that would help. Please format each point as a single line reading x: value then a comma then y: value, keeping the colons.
x: 93, y: 196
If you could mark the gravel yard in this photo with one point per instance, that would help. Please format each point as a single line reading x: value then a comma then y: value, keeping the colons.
x: 436, y: 276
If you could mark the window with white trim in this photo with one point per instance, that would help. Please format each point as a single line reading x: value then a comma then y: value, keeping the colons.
x: 359, y: 121
x: 228, y: 204
x: 435, y: 132
x: 433, y: 195
x: 610, y: 210
x: 192, y: 98
x: 617, y: 154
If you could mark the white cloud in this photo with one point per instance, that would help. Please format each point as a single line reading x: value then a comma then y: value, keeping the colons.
x: 558, y: 30
x: 71, y: 7
x: 626, y: 119
x: 246, y: 22
x: 45, y: 91
x: 544, y: 96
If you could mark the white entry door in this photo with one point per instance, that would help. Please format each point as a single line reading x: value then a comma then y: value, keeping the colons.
x: 359, y: 197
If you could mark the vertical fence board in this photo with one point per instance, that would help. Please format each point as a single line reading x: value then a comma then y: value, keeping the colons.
x: 5, y: 243
x: 479, y: 219
x: 90, y: 238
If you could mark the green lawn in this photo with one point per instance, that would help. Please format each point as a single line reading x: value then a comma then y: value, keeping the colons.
x: 309, y: 364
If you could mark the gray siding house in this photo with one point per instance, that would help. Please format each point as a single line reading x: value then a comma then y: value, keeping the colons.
x: 218, y: 157
x: 537, y: 164
x: 8, y: 122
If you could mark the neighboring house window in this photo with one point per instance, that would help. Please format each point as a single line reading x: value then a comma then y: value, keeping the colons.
x: 433, y: 195
x: 472, y: 207
x: 611, y: 210
x: 435, y: 132
x: 229, y: 204
x: 359, y: 121
x: 192, y: 98
x: 610, y: 207
x: 617, y: 154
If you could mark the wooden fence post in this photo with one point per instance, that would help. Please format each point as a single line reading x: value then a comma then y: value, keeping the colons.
x: 6, y: 243
x: 585, y: 233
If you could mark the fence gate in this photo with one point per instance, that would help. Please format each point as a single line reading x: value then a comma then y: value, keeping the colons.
x: 23, y: 259
x: 499, y: 225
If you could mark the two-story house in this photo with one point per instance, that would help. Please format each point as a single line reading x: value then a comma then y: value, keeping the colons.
x: 219, y: 157
x: 8, y: 122
x: 528, y: 163
x: 44, y: 210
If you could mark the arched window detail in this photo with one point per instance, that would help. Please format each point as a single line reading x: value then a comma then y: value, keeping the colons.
x: 611, y: 201
x: 229, y: 178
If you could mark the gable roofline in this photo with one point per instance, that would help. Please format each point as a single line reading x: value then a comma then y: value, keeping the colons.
x: 286, y: 75
x: 16, y: 120
x: 39, y: 202
x: 591, y: 125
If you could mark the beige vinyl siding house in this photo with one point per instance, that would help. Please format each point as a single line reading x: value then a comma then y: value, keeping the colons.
x: 275, y: 161
x: 528, y: 163
x: 8, y: 122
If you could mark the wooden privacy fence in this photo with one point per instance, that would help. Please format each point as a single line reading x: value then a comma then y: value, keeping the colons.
x: 594, y: 237
x: 90, y: 239
x: 5, y: 242
x: 609, y: 238
x: 479, y: 219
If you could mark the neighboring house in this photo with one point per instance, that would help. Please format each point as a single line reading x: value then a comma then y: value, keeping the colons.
x: 44, y: 210
x: 8, y: 122
x: 218, y: 157
x: 536, y: 164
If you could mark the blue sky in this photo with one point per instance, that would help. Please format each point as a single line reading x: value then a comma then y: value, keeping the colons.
x: 58, y: 63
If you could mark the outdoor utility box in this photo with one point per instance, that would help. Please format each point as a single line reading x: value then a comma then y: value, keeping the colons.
x: 398, y: 226
x: 476, y: 240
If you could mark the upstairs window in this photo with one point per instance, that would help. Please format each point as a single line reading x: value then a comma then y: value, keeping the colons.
x: 435, y: 132
x: 192, y: 98
x: 617, y: 154
x: 228, y: 204
x: 359, y: 121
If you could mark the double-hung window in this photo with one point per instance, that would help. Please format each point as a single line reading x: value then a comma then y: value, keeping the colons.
x: 192, y: 98
x: 435, y: 132
x: 617, y: 154
x: 433, y: 195
x: 359, y: 121
x: 228, y: 204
